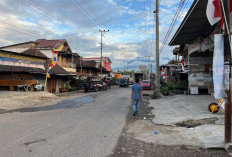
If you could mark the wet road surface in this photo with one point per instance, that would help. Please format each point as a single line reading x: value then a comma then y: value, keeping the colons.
x: 66, y: 104
x: 87, y: 126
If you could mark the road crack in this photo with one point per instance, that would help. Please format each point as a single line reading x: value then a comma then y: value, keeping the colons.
x: 35, y: 141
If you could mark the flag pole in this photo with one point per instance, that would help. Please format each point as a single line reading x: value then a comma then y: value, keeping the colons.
x: 226, y: 14
x: 46, y: 79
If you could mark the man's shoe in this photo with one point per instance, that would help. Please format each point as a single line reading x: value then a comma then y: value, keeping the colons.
x: 134, y: 113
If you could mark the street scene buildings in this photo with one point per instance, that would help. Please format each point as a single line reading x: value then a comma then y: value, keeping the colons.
x: 94, y: 79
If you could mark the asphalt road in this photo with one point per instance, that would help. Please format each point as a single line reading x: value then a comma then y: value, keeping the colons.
x: 87, y: 127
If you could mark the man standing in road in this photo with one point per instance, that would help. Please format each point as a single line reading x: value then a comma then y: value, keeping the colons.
x: 136, y: 96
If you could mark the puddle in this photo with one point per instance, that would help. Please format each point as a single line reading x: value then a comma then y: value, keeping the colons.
x: 194, y: 123
x: 66, y: 104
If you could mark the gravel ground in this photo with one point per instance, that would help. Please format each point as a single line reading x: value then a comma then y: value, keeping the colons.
x: 128, y: 146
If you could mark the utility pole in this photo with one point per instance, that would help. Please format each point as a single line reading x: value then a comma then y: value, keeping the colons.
x: 226, y: 12
x: 149, y: 67
x: 157, y: 48
x: 103, y: 32
x: 127, y: 72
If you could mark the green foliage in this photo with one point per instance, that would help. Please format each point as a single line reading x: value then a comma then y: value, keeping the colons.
x: 170, y: 85
x: 183, y: 85
x: 165, y: 91
x: 127, y: 72
x: 114, y: 79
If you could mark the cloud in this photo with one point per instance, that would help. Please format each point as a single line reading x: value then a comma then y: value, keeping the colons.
x: 79, y: 22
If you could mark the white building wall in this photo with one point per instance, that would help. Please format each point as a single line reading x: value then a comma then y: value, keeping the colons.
x: 18, y: 48
x: 47, y: 53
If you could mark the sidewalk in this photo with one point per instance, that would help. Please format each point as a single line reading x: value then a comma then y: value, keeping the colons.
x: 182, y: 120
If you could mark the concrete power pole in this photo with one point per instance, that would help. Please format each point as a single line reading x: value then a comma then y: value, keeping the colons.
x: 103, y: 32
x: 157, y: 48
x: 149, y: 67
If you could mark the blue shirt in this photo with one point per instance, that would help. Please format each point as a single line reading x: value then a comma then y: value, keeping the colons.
x: 137, y: 88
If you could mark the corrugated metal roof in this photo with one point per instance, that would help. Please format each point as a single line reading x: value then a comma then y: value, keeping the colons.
x: 195, y: 24
x: 22, y: 54
x: 9, y: 68
x: 89, y: 63
x: 43, y: 43
x: 34, y: 52
x: 97, y: 58
x: 57, y: 70
x: 32, y: 42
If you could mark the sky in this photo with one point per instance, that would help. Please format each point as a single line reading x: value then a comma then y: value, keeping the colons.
x: 131, y: 24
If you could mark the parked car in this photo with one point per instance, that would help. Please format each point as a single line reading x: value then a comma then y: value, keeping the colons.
x: 146, y: 84
x: 90, y: 85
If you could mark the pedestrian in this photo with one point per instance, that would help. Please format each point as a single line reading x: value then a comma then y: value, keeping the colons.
x: 136, y: 96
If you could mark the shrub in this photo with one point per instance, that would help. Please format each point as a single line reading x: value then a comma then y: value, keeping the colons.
x: 183, y: 85
x: 170, y: 85
x: 165, y: 91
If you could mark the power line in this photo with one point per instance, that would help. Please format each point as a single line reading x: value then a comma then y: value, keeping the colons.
x: 176, y: 17
x: 94, y: 13
x: 19, y: 28
x: 150, y: 27
x: 46, y: 13
x: 82, y: 9
x: 87, y: 14
x: 18, y: 31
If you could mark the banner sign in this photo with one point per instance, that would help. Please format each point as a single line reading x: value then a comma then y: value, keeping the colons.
x: 107, y: 65
x: 19, y: 62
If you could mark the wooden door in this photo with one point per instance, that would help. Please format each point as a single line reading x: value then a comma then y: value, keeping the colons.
x: 51, y: 85
x: 62, y: 84
x: 65, y: 62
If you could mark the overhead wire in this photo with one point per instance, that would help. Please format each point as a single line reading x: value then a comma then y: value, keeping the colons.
x: 175, y: 18
x: 145, y: 17
x: 20, y: 28
x: 47, y: 14
x: 149, y: 30
x: 18, y: 31
x: 92, y: 20
x: 44, y: 14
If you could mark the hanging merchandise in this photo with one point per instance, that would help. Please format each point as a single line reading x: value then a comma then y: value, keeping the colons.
x: 218, y: 66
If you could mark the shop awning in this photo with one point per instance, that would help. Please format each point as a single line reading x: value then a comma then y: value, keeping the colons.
x: 195, y: 24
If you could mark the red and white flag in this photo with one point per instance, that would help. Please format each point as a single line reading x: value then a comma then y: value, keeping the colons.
x: 182, y: 65
x: 163, y: 74
x: 213, y: 11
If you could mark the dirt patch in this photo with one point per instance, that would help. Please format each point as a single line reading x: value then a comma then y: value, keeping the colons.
x: 128, y: 146
x: 198, y: 122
